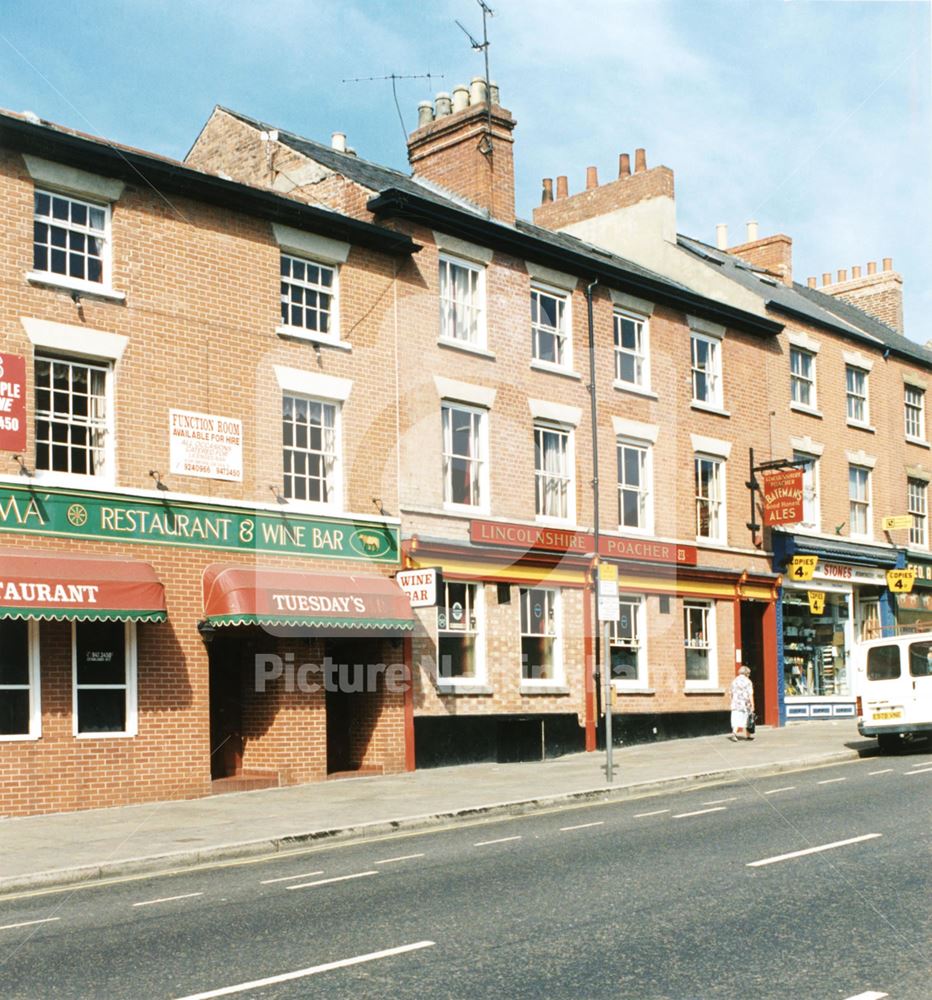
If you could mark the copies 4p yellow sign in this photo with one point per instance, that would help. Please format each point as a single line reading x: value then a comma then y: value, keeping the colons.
x: 801, y: 568
x: 900, y: 581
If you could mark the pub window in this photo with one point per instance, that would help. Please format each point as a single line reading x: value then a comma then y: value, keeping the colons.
x: 19, y: 680
x: 310, y: 435
x: 104, y: 678
x: 308, y: 292
x: 540, y: 652
x: 626, y: 643
x: 553, y: 472
x: 458, y: 631
x: 70, y: 238
x: 917, y: 491
x: 464, y: 450
x: 699, y: 640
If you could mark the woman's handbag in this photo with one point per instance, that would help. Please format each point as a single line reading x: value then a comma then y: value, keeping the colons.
x: 752, y: 724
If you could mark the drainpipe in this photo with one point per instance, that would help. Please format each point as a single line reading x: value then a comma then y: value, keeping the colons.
x: 593, y: 418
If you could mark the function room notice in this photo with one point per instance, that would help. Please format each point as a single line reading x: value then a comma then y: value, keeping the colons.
x: 206, y: 445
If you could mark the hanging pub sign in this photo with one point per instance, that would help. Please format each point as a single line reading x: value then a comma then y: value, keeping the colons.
x: 783, y: 496
x: 12, y: 402
x: 421, y: 586
x: 816, y: 602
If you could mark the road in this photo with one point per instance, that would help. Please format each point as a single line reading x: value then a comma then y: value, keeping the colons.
x: 807, y: 885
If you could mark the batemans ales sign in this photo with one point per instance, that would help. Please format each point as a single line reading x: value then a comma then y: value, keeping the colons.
x: 32, y: 510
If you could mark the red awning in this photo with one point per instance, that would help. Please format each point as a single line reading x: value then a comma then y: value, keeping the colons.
x: 61, y: 586
x: 238, y: 595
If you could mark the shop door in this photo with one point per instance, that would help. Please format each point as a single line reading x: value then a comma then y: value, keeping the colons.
x: 352, y: 711
x: 752, y: 651
x: 868, y: 619
x: 226, y: 707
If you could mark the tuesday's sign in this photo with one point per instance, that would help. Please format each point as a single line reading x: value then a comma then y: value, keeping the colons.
x: 31, y: 510
x: 12, y: 402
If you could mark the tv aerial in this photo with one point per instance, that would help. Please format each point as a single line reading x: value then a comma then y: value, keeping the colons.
x: 395, y: 77
x: 485, y: 145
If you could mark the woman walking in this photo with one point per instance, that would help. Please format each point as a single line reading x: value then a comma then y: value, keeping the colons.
x: 742, y: 702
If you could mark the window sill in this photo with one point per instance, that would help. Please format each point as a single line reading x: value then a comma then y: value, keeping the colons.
x: 104, y: 736
x: 69, y: 480
x: 700, y: 690
x: 708, y: 408
x: 858, y: 426
x: 810, y: 411
x: 918, y: 442
x: 621, y: 691
x: 447, y: 689
x: 465, y: 509
x: 88, y: 288
x: 529, y: 688
x: 466, y: 347
x: 295, y: 333
x: 551, y: 369
x: 20, y: 738
x: 635, y: 390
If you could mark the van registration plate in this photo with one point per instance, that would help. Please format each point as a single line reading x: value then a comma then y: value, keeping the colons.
x: 889, y: 715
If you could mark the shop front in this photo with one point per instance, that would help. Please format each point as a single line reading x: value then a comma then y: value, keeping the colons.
x: 834, y: 595
x: 914, y: 610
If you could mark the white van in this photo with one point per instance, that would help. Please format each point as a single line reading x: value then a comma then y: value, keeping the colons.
x: 893, y: 684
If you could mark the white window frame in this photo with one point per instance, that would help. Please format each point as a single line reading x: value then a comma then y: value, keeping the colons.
x: 708, y: 642
x: 803, y: 379
x: 640, y: 354
x: 855, y: 398
x: 477, y: 631
x: 567, y: 475
x: 861, y: 503
x: 334, y: 479
x: 914, y: 412
x: 107, y: 474
x: 917, y: 504
x: 810, y: 472
x: 646, y: 489
x: 129, y: 685
x: 34, y: 687
x: 718, y: 514
x: 640, y: 639
x: 449, y: 307
x: 712, y: 371
x: 50, y: 277
x: 482, y: 476
x: 553, y: 615
x: 302, y: 332
x: 565, y: 364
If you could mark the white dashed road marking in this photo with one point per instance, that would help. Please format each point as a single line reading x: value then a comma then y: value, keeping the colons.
x: 404, y: 857
x: 700, y: 812
x: 656, y: 812
x: 830, y: 781
x: 581, y: 826
x: 718, y: 802
x: 775, y: 791
x: 812, y: 850
x: 169, y: 899
x: 327, y: 881
x: 870, y: 995
x: 924, y: 770
x: 886, y: 770
x: 28, y: 923
x: 289, y: 878
x: 501, y: 840
x: 312, y: 971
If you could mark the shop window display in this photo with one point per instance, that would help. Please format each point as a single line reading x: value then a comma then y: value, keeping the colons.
x: 814, y: 660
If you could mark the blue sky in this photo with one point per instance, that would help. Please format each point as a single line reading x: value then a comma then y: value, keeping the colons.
x: 814, y: 118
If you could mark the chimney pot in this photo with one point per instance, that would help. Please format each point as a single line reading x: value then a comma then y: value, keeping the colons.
x: 494, y: 93
x: 460, y: 97
x: 338, y: 141
x: 752, y: 231
x: 592, y: 178
x: 444, y: 104
x: 721, y: 236
x: 562, y: 187
x: 842, y: 275
x: 826, y: 278
x: 548, y: 191
x: 640, y: 160
x: 425, y: 114
x: 888, y: 263
x: 811, y: 282
x: 477, y: 91
x: 856, y: 271
x: 872, y: 267
x: 624, y: 165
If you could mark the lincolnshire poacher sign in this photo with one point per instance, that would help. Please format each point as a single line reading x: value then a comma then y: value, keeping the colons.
x: 783, y: 496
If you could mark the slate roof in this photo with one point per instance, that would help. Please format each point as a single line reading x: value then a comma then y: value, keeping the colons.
x: 808, y: 303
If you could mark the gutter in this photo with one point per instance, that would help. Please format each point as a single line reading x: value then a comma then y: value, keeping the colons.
x: 168, y: 176
x: 393, y: 202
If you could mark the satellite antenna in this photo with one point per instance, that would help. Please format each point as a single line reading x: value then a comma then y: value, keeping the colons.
x: 393, y: 77
x: 485, y: 144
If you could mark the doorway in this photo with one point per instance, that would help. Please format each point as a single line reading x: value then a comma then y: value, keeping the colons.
x: 752, y: 652
x: 353, y: 705
x: 226, y: 705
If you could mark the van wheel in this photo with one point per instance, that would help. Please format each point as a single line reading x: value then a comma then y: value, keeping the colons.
x: 889, y: 742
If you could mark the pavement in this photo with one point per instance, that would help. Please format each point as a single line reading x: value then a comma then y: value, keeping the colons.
x: 68, y: 848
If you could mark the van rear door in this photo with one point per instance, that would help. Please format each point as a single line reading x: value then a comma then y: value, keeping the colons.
x: 920, y: 680
x: 887, y: 696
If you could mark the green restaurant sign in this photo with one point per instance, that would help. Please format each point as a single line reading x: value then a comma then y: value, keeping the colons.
x: 76, y: 514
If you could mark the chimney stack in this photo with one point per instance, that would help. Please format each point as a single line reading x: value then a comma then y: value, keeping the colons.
x: 855, y: 271
x: 464, y: 144
x: 640, y: 161
x: 338, y: 141
x: 879, y: 294
x: 624, y: 166
x: 771, y: 253
x: 842, y: 275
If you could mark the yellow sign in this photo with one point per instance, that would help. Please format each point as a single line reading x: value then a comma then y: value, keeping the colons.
x: 897, y: 522
x: 900, y: 581
x: 801, y: 568
x: 816, y: 602
x: 608, y: 572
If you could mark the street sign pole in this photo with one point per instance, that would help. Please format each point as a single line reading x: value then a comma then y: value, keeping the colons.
x: 607, y: 584
x: 607, y: 682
